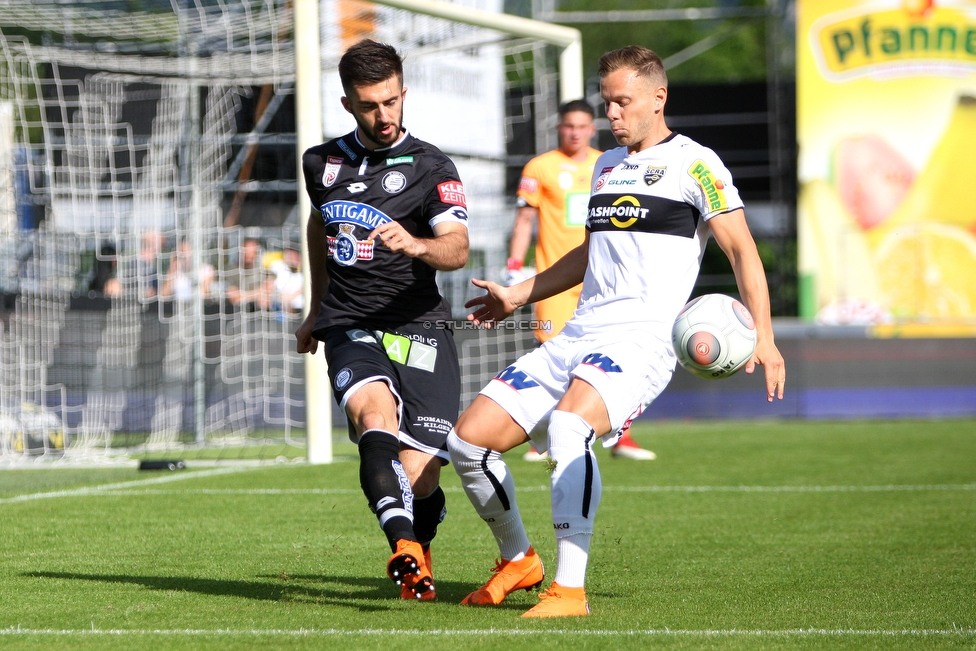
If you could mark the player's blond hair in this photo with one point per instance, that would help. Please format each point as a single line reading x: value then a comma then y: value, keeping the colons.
x: 639, y: 59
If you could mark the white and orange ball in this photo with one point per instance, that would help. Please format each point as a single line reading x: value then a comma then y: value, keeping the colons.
x: 714, y: 336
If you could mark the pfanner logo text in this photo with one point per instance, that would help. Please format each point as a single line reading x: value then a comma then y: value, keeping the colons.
x: 713, y: 188
x: 898, y: 42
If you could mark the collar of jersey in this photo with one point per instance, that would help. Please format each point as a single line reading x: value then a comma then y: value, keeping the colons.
x: 650, y: 150
x: 403, y: 139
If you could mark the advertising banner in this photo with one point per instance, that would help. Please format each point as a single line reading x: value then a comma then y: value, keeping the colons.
x: 887, y: 133
x: 453, y: 73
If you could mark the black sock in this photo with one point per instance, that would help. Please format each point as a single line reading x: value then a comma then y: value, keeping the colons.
x: 385, y: 484
x: 428, y: 512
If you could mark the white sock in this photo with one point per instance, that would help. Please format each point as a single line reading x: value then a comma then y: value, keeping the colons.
x: 576, y: 493
x: 572, y: 554
x: 491, y: 489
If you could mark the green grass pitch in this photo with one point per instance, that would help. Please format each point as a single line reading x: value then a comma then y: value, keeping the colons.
x: 744, y: 535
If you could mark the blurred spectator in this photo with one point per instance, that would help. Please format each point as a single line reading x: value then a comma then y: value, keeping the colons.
x: 246, y: 284
x: 106, y: 281
x: 147, y: 269
x: 287, y: 285
x: 179, y: 280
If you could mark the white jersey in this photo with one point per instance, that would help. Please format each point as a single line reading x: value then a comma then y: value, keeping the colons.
x: 647, y: 222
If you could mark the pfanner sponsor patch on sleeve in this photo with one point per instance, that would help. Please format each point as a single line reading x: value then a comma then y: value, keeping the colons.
x: 713, y: 188
x: 452, y: 192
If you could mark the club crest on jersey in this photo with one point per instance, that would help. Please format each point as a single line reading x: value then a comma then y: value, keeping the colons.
x: 394, y: 182
x: 711, y: 186
x: 602, y: 179
x: 345, y: 249
x: 332, y: 166
x: 654, y: 174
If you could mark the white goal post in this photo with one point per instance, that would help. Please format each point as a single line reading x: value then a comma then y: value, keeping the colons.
x: 308, y: 77
x: 308, y: 133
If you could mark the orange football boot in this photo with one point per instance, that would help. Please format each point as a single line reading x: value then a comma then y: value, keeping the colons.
x: 559, y: 601
x: 506, y: 578
x: 408, y: 569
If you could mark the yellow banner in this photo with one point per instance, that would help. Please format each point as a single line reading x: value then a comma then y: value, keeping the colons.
x: 886, y: 108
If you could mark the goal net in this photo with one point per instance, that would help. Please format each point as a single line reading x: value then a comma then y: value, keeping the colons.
x: 148, y: 213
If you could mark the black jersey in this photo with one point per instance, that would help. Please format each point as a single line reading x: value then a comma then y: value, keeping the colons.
x: 355, y: 190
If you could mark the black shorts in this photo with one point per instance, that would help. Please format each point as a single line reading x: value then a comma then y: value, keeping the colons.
x: 420, y: 366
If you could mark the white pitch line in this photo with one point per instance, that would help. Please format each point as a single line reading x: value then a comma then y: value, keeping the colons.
x: 101, y: 489
x: 396, y: 632
x: 619, y: 489
x: 126, y: 488
x: 792, y: 489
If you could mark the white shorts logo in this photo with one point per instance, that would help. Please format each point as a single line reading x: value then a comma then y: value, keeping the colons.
x: 342, y: 378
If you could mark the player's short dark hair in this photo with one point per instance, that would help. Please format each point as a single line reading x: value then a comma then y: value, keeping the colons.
x: 634, y: 57
x: 368, y: 62
x: 576, y: 106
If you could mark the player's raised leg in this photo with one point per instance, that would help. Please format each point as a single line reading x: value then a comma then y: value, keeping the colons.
x: 483, y: 432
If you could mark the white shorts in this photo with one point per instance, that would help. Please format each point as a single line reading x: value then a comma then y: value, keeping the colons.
x: 627, y: 371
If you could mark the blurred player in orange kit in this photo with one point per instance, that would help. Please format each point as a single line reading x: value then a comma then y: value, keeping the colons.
x: 554, y: 190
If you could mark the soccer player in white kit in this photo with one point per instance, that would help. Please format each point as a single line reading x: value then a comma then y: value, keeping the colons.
x: 654, y: 202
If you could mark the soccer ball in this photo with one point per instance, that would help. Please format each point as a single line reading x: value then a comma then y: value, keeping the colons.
x: 714, y: 336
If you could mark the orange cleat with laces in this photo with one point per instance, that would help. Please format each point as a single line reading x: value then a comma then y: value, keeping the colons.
x: 559, y: 601
x: 507, y: 577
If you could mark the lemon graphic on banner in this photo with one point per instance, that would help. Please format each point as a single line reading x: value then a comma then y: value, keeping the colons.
x: 928, y: 270
x: 925, y: 253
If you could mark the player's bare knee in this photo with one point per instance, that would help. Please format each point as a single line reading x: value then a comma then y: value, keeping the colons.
x: 372, y: 420
x: 485, y: 424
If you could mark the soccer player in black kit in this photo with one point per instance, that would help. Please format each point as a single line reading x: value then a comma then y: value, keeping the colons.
x: 388, y: 212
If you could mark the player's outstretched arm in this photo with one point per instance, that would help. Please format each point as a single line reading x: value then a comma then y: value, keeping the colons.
x: 446, y: 251
x: 499, y: 302
x: 318, y: 274
x: 733, y: 236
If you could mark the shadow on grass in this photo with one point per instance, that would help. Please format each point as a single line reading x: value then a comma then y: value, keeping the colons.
x: 448, y: 592
x: 351, y: 591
